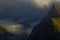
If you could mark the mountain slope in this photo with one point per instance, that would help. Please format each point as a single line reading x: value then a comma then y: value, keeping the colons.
x: 45, y: 30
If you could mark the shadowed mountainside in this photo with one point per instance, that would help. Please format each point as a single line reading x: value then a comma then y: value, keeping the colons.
x: 45, y: 29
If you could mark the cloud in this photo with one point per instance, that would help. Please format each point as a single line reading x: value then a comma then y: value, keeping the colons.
x: 11, y: 27
x: 15, y: 29
x: 43, y: 3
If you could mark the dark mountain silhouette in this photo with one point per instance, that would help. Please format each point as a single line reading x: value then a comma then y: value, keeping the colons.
x: 45, y: 30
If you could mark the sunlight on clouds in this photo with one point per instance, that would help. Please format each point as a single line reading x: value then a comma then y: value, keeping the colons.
x: 15, y: 29
x: 43, y: 3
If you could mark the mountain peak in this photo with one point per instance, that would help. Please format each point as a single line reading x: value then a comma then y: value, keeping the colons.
x: 54, y: 11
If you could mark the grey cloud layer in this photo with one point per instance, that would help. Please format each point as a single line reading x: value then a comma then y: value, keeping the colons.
x: 23, y: 10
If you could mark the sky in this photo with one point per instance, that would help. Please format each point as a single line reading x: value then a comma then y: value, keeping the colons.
x: 14, y: 12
